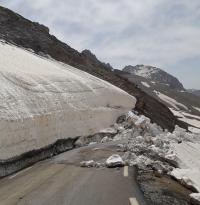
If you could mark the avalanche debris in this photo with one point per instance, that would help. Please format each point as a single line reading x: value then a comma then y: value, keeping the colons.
x: 149, y: 147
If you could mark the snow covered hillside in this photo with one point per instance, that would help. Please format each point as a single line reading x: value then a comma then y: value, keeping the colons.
x: 43, y: 100
x: 167, y: 89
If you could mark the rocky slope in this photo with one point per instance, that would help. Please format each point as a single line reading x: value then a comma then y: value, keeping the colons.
x: 31, y: 35
x: 167, y: 89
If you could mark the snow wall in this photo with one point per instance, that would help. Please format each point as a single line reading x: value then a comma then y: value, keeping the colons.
x: 42, y: 100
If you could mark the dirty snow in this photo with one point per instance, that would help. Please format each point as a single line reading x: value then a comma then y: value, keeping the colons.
x: 44, y: 100
x: 146, y: 84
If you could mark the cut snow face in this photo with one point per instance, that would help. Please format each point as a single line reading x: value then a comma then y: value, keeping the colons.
x: 43, y: 100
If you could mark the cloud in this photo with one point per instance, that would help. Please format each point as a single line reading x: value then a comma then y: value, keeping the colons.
x: 162, y: 32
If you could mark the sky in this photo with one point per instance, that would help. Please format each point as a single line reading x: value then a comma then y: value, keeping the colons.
x: 162, y: 33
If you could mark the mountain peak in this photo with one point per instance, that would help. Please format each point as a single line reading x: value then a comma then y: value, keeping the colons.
x: 141, y: 70
x: 155, y: 74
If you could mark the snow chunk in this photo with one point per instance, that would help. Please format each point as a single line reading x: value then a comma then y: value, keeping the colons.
x: 188, y: 154
x: 114, y: 161
x: 145, y: 71
x: 109, y: 130
x: 90, y: 163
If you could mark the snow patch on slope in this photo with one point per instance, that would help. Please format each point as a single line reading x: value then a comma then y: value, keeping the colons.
x: 145, y: 71
x: 146, y: 84
x: 43, y: 100
x: 188, y: 118
x: 172, y: 102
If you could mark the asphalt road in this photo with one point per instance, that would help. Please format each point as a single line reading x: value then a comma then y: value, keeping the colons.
x: 61, y: 181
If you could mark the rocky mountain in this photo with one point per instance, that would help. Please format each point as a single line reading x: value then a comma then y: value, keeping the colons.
x: 30, y: 35
x: 167, y: 89
x: 155, y: 74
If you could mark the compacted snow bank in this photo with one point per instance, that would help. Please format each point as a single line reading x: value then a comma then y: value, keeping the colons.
x: 42, y: 101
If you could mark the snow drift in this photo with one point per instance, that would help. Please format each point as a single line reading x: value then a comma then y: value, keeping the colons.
x: 42, y: 100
